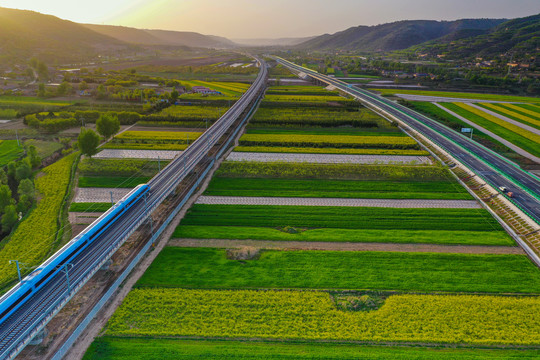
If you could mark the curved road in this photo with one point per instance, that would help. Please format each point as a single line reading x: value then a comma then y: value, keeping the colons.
x: 488, y: 165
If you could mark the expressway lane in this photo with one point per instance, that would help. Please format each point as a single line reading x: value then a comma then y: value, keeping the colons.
x: 488, y: 165
x: 42, y: 305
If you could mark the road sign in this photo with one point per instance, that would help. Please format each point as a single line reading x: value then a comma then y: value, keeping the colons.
x: 467, y: 130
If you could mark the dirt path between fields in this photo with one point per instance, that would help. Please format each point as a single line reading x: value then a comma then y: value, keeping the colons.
x: 346, y: 246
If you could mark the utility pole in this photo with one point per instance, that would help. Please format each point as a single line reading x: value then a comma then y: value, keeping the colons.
x: 17, y: 136
x: 18, y: 268
x: 66, y: 271
x: 159, y: 164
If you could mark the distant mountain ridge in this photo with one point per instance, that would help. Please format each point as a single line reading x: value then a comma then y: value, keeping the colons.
x: 161, y: 37
x: 24, y: 34
x: 397, y: 35
x: 273, y: 42
x: 517, y: 37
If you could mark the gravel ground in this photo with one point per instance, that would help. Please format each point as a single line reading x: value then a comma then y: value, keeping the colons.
x: 99, y: 195
x: 328, y: 158
x: 389, y: 203
x: 343, y: 246
x: 447, y: 99
x: 507, y: 119
x: 137, y: 154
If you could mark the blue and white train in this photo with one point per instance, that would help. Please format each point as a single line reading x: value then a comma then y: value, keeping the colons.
x: 17, y: 296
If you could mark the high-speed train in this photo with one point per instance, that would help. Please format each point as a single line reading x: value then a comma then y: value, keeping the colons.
x: 18, y: 295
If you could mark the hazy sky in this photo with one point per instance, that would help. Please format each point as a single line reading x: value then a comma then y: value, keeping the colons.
x: 270, y: 18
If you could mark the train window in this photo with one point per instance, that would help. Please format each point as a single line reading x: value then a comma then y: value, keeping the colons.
x: 15, y: 303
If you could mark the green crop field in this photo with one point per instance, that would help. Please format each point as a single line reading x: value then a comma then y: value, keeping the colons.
x: 111, y: 181
x: 308, y: 99
x: 326, y: 150
x: 181, y: 113
x: 146, y: 146
x: 210, y: 269
x: 121, y: 348
x: 89, y: 207
x: 15, y: 100
x: 341, y: 217
x: 305, y: 116
x: 285, y: 170
x: 35, y: 236
x: 275, y: 314
x: 328, y: 131
x: 332, y: 141
x: 120, y: 168
x: 444, y: 237
x: 8, y: 114
x: 157, y: 136
x: 516, y: 135
x: 336, y: 189
x: 461, y: 95
x: 44, y: 148
x: 298, y: 90
x: 9, y: 150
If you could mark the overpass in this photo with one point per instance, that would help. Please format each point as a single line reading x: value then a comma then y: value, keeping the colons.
x: 38, y: 308
x: 491, y: 167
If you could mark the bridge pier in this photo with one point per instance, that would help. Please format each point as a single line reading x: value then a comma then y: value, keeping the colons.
x: 40, y: 336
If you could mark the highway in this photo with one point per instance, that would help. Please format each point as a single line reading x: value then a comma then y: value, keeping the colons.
x: 17, y: 330
x: 493, y: 168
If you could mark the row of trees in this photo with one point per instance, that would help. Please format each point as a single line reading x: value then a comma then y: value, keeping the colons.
x: 17, y: 192
x: 107, y: 125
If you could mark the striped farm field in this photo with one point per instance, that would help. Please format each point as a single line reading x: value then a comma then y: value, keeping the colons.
x: 307, y: 217
x: 275, y: 314
x: 331, y: 141
x: 322, y: 117
x: 153, y: 140
x: 226, y: 88
x: 326, y: 150
x: 514, y: 114
x: 120, y: 348
x: 307, y: 98
x: 210, y: 268
x: 525, y: 109
x: 158, y: 135
x: 462, y: 95
x: 316, y: 188
x: 518, y: 136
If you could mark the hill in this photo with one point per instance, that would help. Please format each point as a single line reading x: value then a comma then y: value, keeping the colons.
x: 24, y: 34
x: 161, y: 37
x: 397, y: 35
x: 518, y: 38
x: 273, y: 42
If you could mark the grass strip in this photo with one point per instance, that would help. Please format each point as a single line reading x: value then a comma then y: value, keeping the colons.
x: 342, y: 151
x: 210, y: 268
x: 490, y: 238
x: 118, y: 348
x: 111, y: 181
x: 89, y: 207
x: 341, y: 217
x: 220, y: 186
x: 285, y: 170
